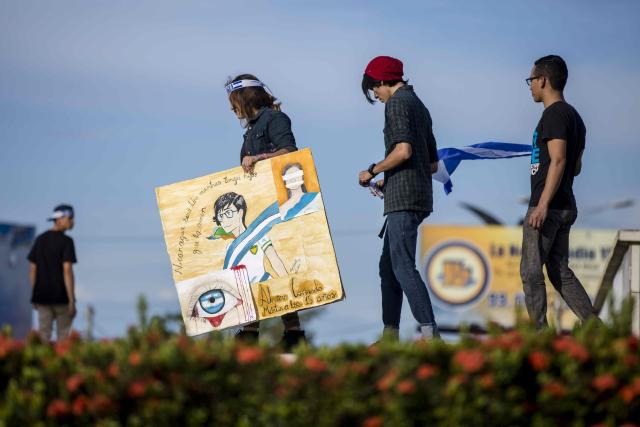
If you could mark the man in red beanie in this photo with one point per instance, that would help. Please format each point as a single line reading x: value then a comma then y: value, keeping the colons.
x: 411, y: 158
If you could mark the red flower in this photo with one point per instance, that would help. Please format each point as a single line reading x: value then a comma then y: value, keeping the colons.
x: 470, y: 360
x: 100, y: 403
x: 113, y: 370
x: 511, y: 340
x: 426, y: 371
x: 458, y: 379
x: 604, y: 382
x: 137, y: 389
x: 631, y: 360
x: 627, y: 393
x: 554, y: 388
x: 373, y: 422
x: 567, y: 344
x: 183, y: 342
x: 79, y: 406
x: 135, y: 358
x: 539, y: 360
x: 486, y: 381
x: 314, y: 364
x: 632, y: 343
x: 57, y: 408
x: 373, y: 350
x: 7, y: 345
x: 636, y: 385
x: 387, y: 381
x: 247, y: 355
x: 406, y: 387
x: 358, y: 368
x: 74, y: 382
x: 62, y: 347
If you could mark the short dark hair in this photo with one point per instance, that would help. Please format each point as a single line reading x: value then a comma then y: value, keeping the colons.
x: 250, y: 99
x: 369, y: 83
x: 227, y: 199
x: 63, y: 207
x: 554, y: 69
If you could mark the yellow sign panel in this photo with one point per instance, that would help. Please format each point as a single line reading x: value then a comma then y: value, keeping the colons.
x: 473, y: 273
x: 249, y: 246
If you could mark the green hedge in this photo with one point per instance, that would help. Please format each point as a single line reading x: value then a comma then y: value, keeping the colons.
x: 153, y: 378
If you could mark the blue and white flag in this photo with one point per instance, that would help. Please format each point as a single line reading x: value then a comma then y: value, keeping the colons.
x: 450, y: 158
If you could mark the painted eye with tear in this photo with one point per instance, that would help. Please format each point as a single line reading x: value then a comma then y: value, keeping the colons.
x: 212, y: 303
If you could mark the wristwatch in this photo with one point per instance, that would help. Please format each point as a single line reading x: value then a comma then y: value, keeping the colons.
x: 370, y: 170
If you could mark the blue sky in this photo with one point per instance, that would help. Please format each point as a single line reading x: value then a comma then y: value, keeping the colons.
x: 100, y: 102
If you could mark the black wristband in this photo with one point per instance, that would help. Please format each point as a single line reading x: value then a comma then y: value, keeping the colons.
x: 370, y: 170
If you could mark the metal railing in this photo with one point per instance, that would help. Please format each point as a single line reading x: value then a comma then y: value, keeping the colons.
x: 621, y: 278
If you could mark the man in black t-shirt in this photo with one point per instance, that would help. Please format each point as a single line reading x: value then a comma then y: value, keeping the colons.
x: 51, y: 274
x: 556, y: 158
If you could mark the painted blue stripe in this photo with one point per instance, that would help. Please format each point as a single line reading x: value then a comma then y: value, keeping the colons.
x: 269, y: 211
x: 264, y: 277
x: 303, y: 203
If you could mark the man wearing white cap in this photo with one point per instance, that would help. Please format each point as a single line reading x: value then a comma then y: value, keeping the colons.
x: 51, y: 272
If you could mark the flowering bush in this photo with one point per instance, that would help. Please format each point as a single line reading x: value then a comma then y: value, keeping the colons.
x: 153, y: 378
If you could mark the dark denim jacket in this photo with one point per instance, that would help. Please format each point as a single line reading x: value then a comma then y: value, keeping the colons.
x: 268, y: 132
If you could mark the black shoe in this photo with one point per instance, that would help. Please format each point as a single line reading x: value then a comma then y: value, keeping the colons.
x: 247, y: 337
x: 291, y: 339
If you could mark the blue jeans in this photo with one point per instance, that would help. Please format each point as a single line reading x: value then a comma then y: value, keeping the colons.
x: 398, y: 272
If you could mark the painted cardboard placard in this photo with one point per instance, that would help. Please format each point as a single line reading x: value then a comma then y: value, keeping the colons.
x: 249, y: 246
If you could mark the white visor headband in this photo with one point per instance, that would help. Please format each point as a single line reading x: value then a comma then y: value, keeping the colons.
x: 231, y: 87
x: 293, y: 179
x: 61, y: 214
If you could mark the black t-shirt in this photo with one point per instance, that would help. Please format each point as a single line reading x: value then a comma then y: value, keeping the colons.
x: 50, y: 250
x: 559, y: 121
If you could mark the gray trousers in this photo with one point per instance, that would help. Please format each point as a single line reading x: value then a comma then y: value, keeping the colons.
x: 549, y: 246
x: 46, y: 316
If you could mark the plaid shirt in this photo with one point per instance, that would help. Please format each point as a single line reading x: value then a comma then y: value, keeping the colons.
x: 408, y: 186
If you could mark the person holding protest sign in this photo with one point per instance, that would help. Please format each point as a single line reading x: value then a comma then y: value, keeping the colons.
x: 268, y: 134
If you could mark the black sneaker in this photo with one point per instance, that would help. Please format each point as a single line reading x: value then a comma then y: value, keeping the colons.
x: 247, y: 337
x: 291, y: 339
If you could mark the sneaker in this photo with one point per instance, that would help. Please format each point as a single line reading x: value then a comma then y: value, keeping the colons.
x: 291, y: 339
x: 247, y: 337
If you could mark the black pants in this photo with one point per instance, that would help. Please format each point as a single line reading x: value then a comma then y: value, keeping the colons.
x: 549, y: 246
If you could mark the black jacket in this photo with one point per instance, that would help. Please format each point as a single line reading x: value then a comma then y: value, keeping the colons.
x: 268, y: 132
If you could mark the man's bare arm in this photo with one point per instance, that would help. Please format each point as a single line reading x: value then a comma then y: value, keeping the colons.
x: 434, y: 167
x: 69, y: 283
x: 33, y: 269
x: 558, y: 154
x: 400, y: 154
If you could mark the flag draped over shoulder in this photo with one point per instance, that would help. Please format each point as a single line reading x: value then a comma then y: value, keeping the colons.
x: 450, y: 158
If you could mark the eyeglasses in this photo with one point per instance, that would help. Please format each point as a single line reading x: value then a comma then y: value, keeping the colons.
x: 229, y: 213
x: 530, y: 79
